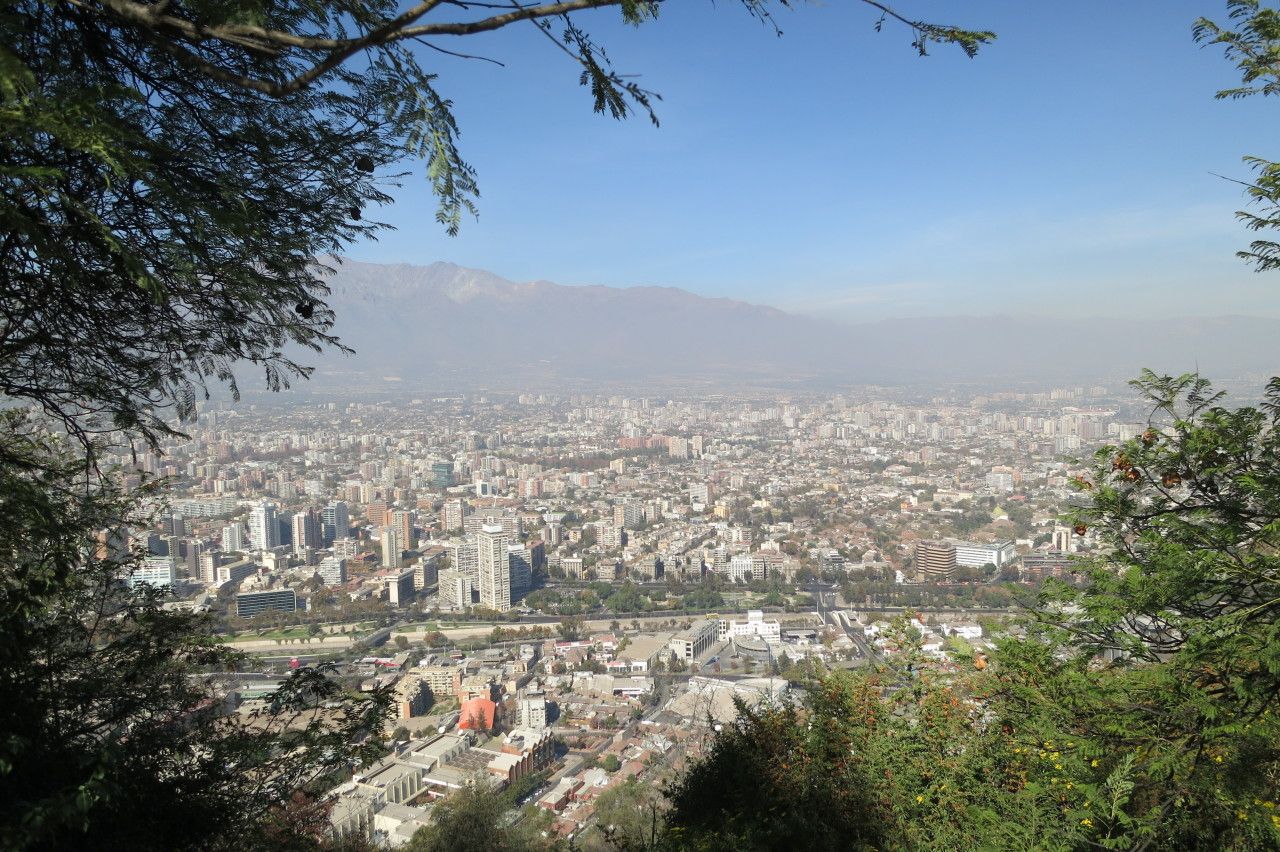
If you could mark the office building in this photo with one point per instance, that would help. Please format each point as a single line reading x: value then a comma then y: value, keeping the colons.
x: 336, y: 521
x: 935, y: 560
x: 159, y: 572
x: 441, y: 475
x: 688, y: 644
x: 250, y: 604
x: 997, y: 553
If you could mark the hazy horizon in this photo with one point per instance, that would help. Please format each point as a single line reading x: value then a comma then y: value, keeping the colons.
x: 1071, y: 170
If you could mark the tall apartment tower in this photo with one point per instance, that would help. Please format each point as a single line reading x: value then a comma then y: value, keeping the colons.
x: 307, y: 531
x: 935, y: 560
x: 336, y: 519
x: 264, y: 531
x: 627, y: 514
x: 233, y: 538
x: 495, y: 568
x: 455, y: 589
x: 393, y: 545
x: 521, y: 561
x: 378, y: 512
x: 465, y: 556
x: 402, y: 520
x: 453, y: 515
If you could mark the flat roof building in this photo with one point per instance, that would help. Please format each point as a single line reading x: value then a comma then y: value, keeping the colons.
x: 250, y: 604
x: 935, y: 560
x: 689, y: 644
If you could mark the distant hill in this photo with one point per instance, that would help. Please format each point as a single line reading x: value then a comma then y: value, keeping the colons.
x: 445, y: 327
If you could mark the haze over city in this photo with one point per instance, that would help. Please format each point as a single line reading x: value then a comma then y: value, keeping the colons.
x: 877, y: 449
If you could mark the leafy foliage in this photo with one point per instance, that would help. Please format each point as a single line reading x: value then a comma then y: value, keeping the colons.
x: 476, y: 819
x: 1254, y: 46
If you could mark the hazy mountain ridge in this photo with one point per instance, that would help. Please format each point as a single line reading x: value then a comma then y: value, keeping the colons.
x: 444, y: 325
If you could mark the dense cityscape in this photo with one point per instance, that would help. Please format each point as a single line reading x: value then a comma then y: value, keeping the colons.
x: 873, y: 445
x: 562, y: 592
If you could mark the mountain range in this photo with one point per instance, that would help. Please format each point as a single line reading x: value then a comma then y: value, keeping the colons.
x: 447, y: 327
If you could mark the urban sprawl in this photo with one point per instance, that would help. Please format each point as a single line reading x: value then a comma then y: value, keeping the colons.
x: 564, y: 593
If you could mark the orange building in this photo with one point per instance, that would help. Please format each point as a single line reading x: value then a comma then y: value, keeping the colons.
x: 478, y: 714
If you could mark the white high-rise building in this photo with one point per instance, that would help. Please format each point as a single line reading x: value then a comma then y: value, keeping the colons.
x: 455, y: 589
x: 160, y: 572
x: 453, y: 515
x: 495, y: 568
x: 393, y: 546
x: 465, y: 557
x: 264, y: 531
x: 627, y: 514
x: 332, y: 571
x: 234, y: 539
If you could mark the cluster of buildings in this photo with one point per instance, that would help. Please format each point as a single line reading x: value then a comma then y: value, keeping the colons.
x: 468, y: 504
x: 473, y: 501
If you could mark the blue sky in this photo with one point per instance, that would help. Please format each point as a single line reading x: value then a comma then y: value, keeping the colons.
x: 1067, y: 170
